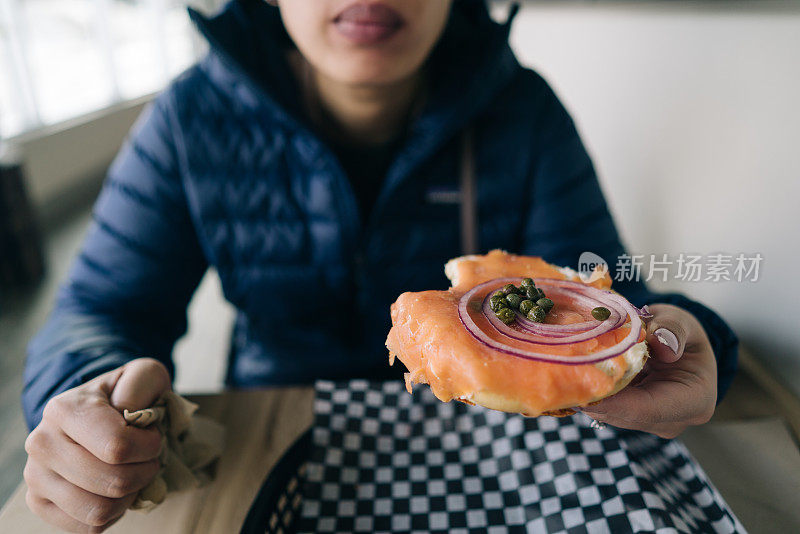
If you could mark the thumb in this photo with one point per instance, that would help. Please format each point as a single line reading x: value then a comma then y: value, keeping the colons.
x: 141, y: 383
x: 667, y: 332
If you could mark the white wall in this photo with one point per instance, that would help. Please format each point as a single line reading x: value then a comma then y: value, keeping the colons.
x: 692, y: 114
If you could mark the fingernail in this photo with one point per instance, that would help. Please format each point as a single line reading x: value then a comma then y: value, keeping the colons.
x: 666, y: 337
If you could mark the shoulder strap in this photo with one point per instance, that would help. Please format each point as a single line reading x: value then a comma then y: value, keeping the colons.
x: 469, y: 211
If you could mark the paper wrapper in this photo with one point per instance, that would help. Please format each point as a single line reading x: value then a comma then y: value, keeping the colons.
x: 382, y: 460
x: 190, y: 446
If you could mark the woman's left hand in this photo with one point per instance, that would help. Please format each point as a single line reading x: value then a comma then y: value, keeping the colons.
x: 678, y: 385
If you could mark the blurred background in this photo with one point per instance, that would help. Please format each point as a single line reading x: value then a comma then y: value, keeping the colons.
x: 689, y: 109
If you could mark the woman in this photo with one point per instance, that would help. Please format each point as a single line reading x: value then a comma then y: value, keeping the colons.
x: 324, y: 157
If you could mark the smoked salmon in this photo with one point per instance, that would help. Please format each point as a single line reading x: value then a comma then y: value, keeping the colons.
x: 445, y: 341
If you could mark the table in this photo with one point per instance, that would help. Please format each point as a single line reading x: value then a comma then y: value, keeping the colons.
x: 261, y: 425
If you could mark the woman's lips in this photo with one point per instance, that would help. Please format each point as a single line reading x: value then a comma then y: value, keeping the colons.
x: 368, y: 23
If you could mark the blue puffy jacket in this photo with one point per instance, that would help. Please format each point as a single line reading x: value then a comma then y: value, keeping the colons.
x: 223, y: 170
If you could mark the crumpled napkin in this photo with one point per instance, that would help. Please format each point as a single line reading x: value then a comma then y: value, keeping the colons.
x: 190, y: 446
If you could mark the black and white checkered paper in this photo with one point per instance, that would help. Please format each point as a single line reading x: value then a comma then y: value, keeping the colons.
x: 386, y: 461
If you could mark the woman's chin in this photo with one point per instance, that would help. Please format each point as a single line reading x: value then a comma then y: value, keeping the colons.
x: 370, y: 77
x: 370, y: 68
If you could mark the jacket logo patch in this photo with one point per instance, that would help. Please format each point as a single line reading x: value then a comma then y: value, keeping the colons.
x: 439, y: 194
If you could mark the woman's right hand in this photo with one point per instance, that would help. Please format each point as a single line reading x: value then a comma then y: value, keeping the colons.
x: 85, y: 464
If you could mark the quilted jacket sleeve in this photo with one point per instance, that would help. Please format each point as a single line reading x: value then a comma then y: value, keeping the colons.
x: 568, y: 215
x: 127, y: 291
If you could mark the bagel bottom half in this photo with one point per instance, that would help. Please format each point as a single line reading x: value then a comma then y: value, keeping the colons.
x: 635, y: 358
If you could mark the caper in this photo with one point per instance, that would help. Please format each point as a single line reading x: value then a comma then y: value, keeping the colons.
x: 499, y: 293
x: 545, y: 303
x: 537, y: 314
x: 601, y: 313
x: 532, y: 292
x: 526, y: 282
x: 525, y: 306
x: 506, y: 315
x: 510, y: 289
x: 498, y: 302
x: 513, y: 300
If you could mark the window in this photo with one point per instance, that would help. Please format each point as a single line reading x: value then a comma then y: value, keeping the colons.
x: 63, y: 58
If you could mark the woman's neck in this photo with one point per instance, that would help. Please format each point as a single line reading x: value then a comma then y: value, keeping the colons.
x: 358, y: 114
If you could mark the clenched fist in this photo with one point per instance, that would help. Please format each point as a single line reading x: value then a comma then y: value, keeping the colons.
x: 85, y: 464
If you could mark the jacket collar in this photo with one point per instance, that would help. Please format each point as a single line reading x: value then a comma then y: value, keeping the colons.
x: 471, y: 62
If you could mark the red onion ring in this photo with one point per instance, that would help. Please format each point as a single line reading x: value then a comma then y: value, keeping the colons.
x: 600, y: 328
x: 555, y: 330
x: 604, y: 296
